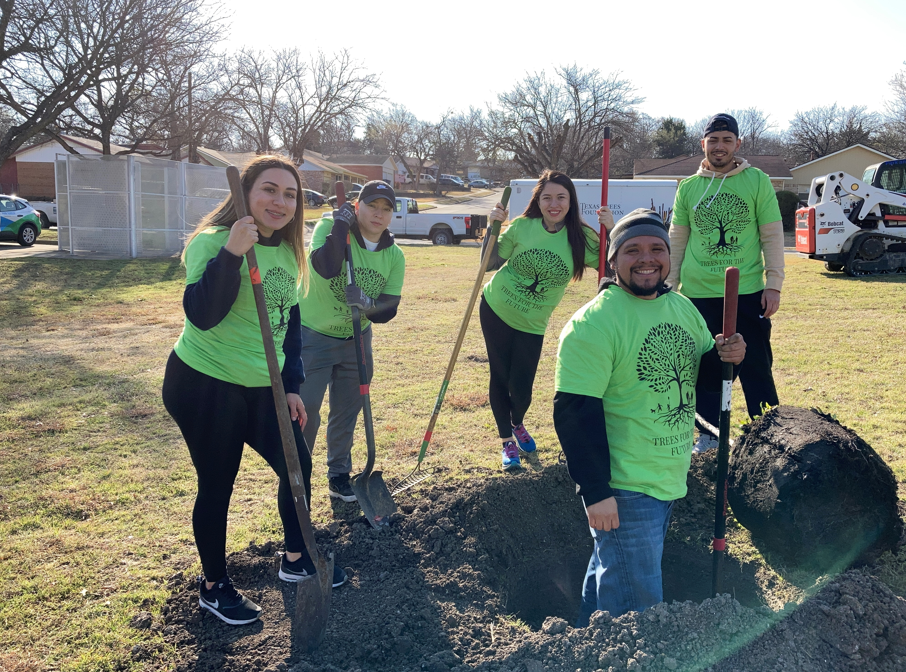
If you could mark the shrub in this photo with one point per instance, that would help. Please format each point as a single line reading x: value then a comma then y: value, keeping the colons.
x: 789, y: 203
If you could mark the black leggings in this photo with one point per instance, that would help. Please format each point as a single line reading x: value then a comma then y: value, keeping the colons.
x: 755, y: 372
x: 513, y: 356
x: 216, y: 419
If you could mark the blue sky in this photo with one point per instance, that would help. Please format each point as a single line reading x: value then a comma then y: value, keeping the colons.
x: 687, y: 59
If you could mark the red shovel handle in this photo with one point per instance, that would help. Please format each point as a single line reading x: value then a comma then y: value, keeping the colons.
x: 731, y: 299
x: 341, y: 193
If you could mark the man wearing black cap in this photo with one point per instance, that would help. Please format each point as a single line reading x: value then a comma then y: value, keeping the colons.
x: 727, y: 215
x: 624, y: 411
x: 328, y: 349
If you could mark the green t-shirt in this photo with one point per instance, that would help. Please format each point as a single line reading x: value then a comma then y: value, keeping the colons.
x: 724, y: 230
x: 324, y: 308
x: 233, y: 350
x: 641, y: 358
x: 526, y: 290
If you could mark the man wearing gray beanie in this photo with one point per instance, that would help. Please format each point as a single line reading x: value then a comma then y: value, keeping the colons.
x: 633, y: 356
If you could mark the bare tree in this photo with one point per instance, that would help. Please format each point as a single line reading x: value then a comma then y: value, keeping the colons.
x: 823, y: 130
x: 51, y: 54
x: 134, y: 101
x: 321, y: 90
x: 558, y: 122
x: 261, y: 79
x: 893, y: 134
x: 338, y: 137
x: 754, y: 127
x: 631, y: 140
x: 394, y: 132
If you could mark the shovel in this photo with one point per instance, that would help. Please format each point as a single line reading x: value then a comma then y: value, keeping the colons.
x: 368, y: 486
x: 312, y: 595
x: 719, y: 543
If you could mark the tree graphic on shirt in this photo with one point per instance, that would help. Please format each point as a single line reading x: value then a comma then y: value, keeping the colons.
x: 667, y: 362
x: 538, y: 270
x: 370, y: 281
x: 727, y: 214
x: 279, y: 295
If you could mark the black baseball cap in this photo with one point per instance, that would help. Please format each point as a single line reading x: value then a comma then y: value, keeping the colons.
x: 721, y: 122
x: 377, y: 189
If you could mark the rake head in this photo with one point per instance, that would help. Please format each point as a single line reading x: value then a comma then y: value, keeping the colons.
x: 414, y: 478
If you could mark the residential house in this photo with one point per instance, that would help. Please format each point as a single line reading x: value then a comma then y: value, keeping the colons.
x: 374, y: 167
x: 681, y: 167
x: 29, y: 172
x: 853, y: 160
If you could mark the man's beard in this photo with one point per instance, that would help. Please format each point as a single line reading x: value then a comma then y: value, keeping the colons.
x: 637, y: 289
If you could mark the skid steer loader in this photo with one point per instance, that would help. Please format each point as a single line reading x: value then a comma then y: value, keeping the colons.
x: 856, y: 226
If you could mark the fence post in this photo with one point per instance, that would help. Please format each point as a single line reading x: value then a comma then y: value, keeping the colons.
x: 69, y: 205
x: 130, y: 171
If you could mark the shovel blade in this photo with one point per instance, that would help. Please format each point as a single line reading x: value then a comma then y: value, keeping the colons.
x: 374, y: 498
x: 313, y: 606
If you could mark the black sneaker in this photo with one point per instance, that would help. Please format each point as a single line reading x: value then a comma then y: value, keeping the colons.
x: 338, y: 486
x: 226, y: 603
x: 303, y: 569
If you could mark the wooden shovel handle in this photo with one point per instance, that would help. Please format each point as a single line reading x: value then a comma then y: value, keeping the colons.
x: 290, y: 450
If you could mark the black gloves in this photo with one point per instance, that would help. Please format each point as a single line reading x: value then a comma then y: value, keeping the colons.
x: 345, y: 214
x: 355, y: 297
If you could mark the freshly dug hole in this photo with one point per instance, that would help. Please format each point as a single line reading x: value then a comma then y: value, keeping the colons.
x: 440, y: 589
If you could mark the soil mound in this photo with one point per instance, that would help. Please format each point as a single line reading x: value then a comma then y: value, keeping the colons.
x: 812, y: 491
x: 486, y: 574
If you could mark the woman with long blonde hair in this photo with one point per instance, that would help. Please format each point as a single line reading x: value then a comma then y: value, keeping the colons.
x: 216, y: 385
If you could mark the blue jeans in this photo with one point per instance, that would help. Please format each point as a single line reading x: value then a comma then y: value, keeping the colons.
x: 624, y: 573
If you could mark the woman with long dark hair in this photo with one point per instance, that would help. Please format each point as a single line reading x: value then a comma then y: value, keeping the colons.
x: 545, y: 247
x: 216, y: 385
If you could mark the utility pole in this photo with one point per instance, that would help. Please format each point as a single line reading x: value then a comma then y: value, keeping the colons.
x: 192, y: 157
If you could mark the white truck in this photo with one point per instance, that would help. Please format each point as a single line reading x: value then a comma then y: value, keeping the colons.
x: 47, y: 211
x: 624, y: 196
x: 441, y: 229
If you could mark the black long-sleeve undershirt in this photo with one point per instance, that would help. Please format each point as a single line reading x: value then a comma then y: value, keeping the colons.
x: 582, y: 431
x: 327, y: 261
x: 208, y: 302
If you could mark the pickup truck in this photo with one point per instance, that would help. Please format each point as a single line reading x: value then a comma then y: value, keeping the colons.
x: 441, y: 229
x: 47, y: 211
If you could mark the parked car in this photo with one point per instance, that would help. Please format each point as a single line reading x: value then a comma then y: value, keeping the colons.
x: 314, y: 199
x: 19, y: 221
x: 479, y: 184
x: 440, y: 229
x: 47, y: 212
x: 351, y: 195
x: 453, y: 181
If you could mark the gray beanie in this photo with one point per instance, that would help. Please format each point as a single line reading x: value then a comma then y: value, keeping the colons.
x: 640, y: 222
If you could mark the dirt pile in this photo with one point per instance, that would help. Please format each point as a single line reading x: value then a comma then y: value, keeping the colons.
x: 486, y: 574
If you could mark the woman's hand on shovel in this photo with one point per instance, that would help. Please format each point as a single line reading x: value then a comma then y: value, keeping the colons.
x: 297, y: 409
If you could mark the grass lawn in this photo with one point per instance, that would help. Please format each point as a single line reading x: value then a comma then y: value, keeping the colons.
x: 96, y: 487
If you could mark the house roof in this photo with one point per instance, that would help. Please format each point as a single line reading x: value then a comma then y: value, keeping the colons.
x: 318, y: 162
x: 361, y: 159
x: 223, y: 159
x: 886, y: 157
x: 684, y: 166
x: 85, y: 143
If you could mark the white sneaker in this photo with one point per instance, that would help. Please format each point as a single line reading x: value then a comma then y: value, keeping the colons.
x: 704, y: 443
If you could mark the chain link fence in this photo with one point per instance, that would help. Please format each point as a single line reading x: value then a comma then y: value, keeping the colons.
x: 132, y: 206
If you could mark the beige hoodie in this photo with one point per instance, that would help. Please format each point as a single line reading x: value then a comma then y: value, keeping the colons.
x: 771, y: 235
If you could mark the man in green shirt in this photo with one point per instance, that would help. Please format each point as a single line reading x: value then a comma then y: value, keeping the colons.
x: 624, y: 411
x: 727, y: 215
